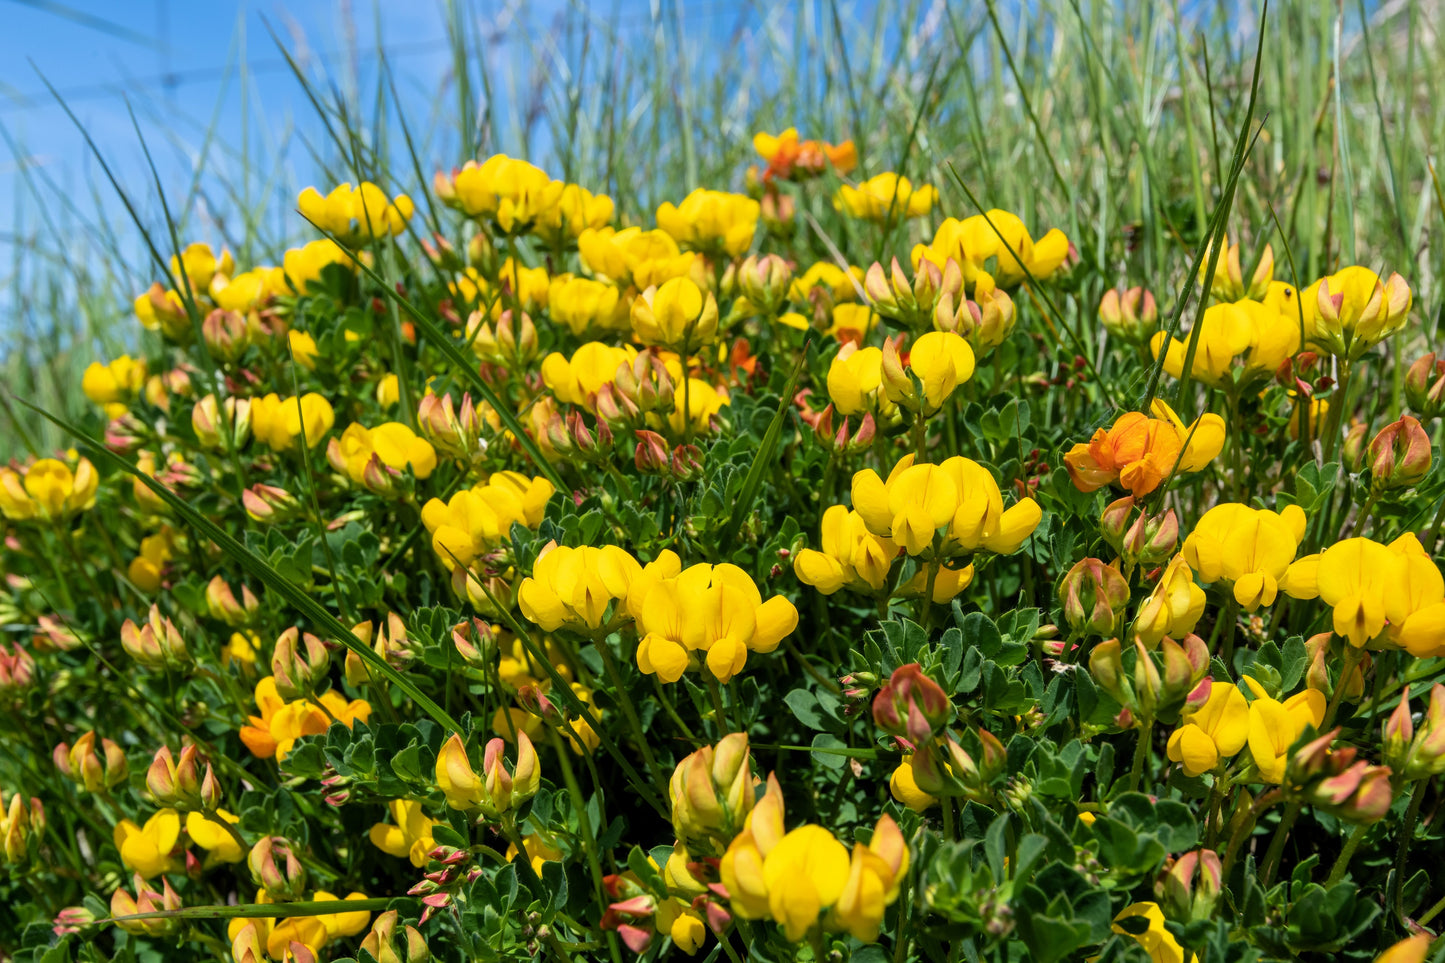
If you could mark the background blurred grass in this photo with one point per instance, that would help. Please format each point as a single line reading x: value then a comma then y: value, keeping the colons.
x: 1112, y: 121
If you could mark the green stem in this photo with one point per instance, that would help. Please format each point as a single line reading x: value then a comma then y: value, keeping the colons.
x: 1272, y: 857
x: 584, y: 826
x: 1352, y: 659
x: 1342, y: 863
x: 1141, y: 756
x: 1407, y: 833
x: 1246, y: 826
x: 629, y: 711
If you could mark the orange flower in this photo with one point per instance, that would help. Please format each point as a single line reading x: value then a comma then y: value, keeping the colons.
x: 1138, y: 453
x: 281, y: 723
x: 792, y: 159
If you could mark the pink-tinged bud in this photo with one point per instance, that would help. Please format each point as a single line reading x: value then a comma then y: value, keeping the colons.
x: 1185, y: 668
x: 686, y: 463
x: 221, y: 425
x: 764, y: 281
x: 1425, y: 386
x: 126, y: 434
x: 17, y: 669
x: 225, y: 334
x: 442, y: 251
x: 994, y: 758
x: 1131, y: 315
x: 55, y: 635
x: 157, y: 644
x: 1400, y: 455
x: 161, y: 777
x: 94, y: 771
x: 1189, y: 886
x: 276, y: 869
x: 652, y: 456
x: 532, y: 700
x: 911, y: 705
x: 72, y: 920
x: 222, y: 604
x: 1106, y: 665
x: 268, y: 503
x: 616, y: 409
x: 1152, y: 538
x: 778, y: 212
x: 299, y: 664
x: 1094, y: 597
x: 583, y: 442
x: 878, y: 291
x: 558, y: 436
x: 1115, y: 521
x: 476, y: 643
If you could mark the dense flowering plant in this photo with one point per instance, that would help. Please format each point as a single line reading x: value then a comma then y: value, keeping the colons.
x: 510, y: 573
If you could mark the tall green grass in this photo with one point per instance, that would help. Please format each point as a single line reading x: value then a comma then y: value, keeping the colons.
x: 1114, y: 121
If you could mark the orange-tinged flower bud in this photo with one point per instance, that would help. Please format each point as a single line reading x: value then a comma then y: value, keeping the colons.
x: 146, y: 900
x: 1094, y: 597
x: 652, y: 456
x: 94, y: 771
x: 495, y: 791
x: 225, y: 334
x: 22, y: 823
x: 1425, y: 386
x: 222, y: 604
x: 911, y: 705
x: 268, y: 503
x: 213, y: 422
x: 276, y: 868
x: 1189, y: 885
x: 17, y: 669
x: 299, y: 664
x: 764, y: 281
x: 1400, y: 455
x: 712, y: 795
x: 1131, y: 315
x: 156, y: 644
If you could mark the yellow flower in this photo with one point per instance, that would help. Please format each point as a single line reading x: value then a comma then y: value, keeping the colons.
x: 704, y: 400
x: 875, y: 874
x: 303, y: 266
x: 356, y: 215
x: 1229, y: 283
x: 850, y: 555
x: 577, y: 380
x: 1250, y: 548
x: 708, y: 220
x: 794, y: 878
x: 999, y: 235
x: 1355, y: 577
x: 199, y: 265
x: 146, y: 568
x: 372, y: 457
x: 220, y: 845
x: 1173, y: 608
x: 147, y: 849
x: 633, y: 256
x: 477, y: 520
x: 678, y: 315
x: 540, y: 849
x: 939, y: 360
x: 904, y: 788
x: 247, y: 290
x: 511, y: 192
x: 1156, y: 940
x: 495, y: 790
x: 1240, y: 342
x: 855, y: 382
x: 586, y: 306
x: 1352, y: 310
x: 1275, y: 726
x: 575, y: 587
x: 792, y: 159
x: 114, y: 385
x: 715, y: 611
x: 312, y: 932
x: 1412, y: 949
x: 1213, y: 732
x: 886, y: 197
x: 48, y: 490
x: 841, y: 285
x: 1201, y: 441
x: 958, y: 499
x: 240, y: 650
x: 279, y: 422
x: 577, y: 210
x: 281, y: 723
x: 409, y: 835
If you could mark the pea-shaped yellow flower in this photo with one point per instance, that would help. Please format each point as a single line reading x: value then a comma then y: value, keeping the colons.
x: 849, y: 556
x: 147, y: 850
x: 939, y: 360
x: 511, y: 192
x: 304, y: 266
x: 356, y: 215
x: 220, y: 845
x: 679, y: 316
x: 875, y: 875
x: 114, y: 385
x: 281, y: 723
x: 409, y: 835
x: 903, y: 786
x: 375, y: 457
x: 1213, y: 732
x: 855, y: 382
x: 577, y: 210
x: 577, y: 380
x: 633, y: 256
x: 585, y: 305
x: 1352, y: 310
x: 999, y: 237
x: 709, y: 220
x: 886, y: 197
x: 479, y: 519
x: 1274, y: 726
x: 495, y: 790
x: 1173, y: 608
x: 1240, y: 343
x: 280, y: 422
x: 576, y: 587
x: 47, y: 490
x: 1249, y: 548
